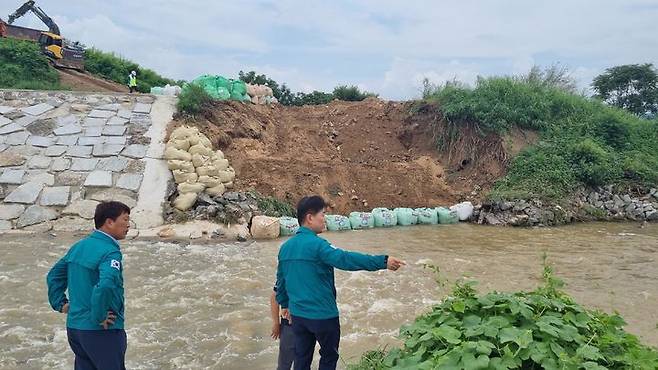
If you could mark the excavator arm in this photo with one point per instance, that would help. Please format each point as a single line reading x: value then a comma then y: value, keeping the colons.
x: 31, y: 6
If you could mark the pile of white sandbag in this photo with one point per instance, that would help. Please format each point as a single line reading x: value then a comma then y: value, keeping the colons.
x: 261, y: 94
x: 196, y: 166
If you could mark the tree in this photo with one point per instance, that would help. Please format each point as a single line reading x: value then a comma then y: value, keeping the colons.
x: 633, y: 87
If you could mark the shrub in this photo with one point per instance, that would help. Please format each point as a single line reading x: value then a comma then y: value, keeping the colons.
x: 23, y: 66
x: 350, y: 93
x: 193, y: 99
x: 544, y: 328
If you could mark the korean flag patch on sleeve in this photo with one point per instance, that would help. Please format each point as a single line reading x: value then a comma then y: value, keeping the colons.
x: 115, y: 264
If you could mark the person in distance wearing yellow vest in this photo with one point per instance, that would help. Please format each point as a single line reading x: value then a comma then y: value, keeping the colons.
x: 132, y: 81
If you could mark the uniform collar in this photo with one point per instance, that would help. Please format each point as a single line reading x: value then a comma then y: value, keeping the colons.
x: 103, y: 235
x: 305, y: 230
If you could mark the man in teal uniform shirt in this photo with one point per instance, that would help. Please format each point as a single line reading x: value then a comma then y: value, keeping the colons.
x: 305, y: 284
x: 92, y: 271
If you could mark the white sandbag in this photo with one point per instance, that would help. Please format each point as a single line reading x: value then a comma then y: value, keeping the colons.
x: 216, y: 190
x: 200, y: 149
x: 185, y: 201
x: 187, y: 187
x: 199, y: 160
x: 179, y: 165
x: 254, y: 99
x: 181, y: 177
x: 268, y: 91
x: 218, y: 155
x: 263, y: 227
x: 226, y: 176
x: 181, y: 144
x: 186, y: 167
x: 203, y: 140
x: 251, y: 89
x: 207, y: 171
x: 228, y: 185
x: 177, y: 154
x: 221, y: 164
x: 183, y: 132
x: 464, y: 210
x: 209, y: 181
x: 194, y: 139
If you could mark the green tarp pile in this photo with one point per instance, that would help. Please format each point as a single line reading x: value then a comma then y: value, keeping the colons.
x: 220, y: 88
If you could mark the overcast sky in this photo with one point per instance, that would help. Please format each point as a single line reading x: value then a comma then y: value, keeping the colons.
x: 384, y: 46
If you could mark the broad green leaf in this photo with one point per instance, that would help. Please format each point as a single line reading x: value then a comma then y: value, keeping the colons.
x: 497, y: 363
x: 484, y: 347
x: 557, y: 349
x: 568, y: 333
x: 548, y: 329
x: 450, y: 334
x: 509, y: 335
x: 592, y: 366
x: 588, y: 352
x: 470, y: 362
x: 471, y: 321
x: 459, y: 306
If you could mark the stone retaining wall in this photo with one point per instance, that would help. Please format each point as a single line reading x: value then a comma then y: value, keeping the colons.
x: 61, y: 153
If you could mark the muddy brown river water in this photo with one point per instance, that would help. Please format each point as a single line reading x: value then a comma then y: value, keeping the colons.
x: 203, y: 305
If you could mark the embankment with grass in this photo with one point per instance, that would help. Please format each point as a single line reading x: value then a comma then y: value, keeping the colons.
x: 583, y: 146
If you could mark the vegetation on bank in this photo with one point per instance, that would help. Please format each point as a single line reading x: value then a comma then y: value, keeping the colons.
x: 112, y: 67
x: 582, y: 140
x: 23, y: 66
x: 193, y: 100
x: 542, y: 329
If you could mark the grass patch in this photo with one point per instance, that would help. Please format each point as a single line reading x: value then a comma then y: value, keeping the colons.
x: 23, y: 66
x: 193, y: 100
x: 273, y: 207
x: 582, y: 141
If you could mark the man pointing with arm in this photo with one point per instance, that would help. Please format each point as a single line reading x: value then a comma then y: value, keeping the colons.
x: 306, y: 287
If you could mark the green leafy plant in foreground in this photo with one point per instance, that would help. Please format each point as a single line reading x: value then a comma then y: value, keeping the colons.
x: 542, y: 329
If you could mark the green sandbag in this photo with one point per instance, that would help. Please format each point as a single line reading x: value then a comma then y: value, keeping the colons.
x: 362, y: 220
x: 337, y: 223
x: 238, y: 90
x: 427, y: 216
x: 216, y: 86
x: 406, y: 216
x: 288, y: 226
x: 384, y: 217
x: 447, y: 216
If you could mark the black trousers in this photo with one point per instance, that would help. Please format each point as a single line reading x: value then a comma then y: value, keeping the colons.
x: 98, y: 349
x: 307, y: 332
x: 286, y: 346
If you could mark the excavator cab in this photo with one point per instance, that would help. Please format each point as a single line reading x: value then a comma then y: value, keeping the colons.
x: 51, y: 45
x: 62, y: 54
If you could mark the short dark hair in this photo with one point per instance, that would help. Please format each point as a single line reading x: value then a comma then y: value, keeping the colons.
x: 111, y: 210
x: 312, y: 205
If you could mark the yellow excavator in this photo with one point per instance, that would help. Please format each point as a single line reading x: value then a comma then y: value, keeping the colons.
x: 59, y: 51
